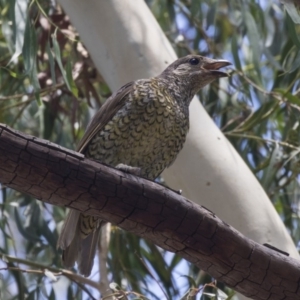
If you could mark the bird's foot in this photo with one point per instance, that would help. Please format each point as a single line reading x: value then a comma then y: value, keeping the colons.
x: 128, y: 169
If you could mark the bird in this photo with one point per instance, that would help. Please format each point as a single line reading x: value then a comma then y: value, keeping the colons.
x: 139, y: 129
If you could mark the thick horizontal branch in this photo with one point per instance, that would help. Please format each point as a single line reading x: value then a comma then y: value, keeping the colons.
x: 63, y: 177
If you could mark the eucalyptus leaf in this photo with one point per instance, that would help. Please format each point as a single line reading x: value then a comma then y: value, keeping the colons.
x: 235, y: 52
x: 70, y: 79
x: 272, y: 59
x: 292, y: 31
x: 292, y: 10
x: 51, y: 63
x: 271, y: 167
x: 29, y: 52
x: 254, y: 39
x: 19, y: 23
x: 258, y: 116
x: 27, y: 234
x: 67, y: 75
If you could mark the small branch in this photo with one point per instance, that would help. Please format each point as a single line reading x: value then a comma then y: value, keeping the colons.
x: 197, y: 24
x: 281, y: 98
x: 39, y: 272
x: 47, y: 90
x: 72, y: 276
x: 265, y: 140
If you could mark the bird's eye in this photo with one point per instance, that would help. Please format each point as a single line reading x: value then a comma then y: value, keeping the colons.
x: 194, y: 61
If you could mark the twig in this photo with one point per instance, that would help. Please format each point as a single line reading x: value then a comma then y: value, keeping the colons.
x: 42, y: 92
x: 197, y: 24
x: 276, y: 95
x: 52, y: 23
x: 253, y: 137
x: 72, y: 276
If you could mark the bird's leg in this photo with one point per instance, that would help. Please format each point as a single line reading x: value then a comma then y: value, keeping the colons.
x: 128, y: 169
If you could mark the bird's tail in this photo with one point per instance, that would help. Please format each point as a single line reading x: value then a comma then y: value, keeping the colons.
x: 79, y: 239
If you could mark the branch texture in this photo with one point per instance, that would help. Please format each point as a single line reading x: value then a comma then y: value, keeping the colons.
x: 63, y: 177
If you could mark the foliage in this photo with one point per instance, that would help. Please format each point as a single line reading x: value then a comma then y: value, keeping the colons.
x: 50, y: 88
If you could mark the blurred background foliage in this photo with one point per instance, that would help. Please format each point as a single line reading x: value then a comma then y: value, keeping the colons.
x: 49, y: 88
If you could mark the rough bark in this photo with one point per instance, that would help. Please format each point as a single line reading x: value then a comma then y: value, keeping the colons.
x: 63, y: 177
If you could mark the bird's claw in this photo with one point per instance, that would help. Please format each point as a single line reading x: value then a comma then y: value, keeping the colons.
x: 128, y: 169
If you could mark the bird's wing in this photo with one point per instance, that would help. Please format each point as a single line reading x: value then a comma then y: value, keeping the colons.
x: 105, y: 114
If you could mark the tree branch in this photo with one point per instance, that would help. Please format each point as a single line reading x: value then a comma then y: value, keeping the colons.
x: 78, y: 279
x: 63, y: 177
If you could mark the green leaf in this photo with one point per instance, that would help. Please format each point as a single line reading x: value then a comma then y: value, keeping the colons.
x: 235, y: 52
x: 272, y: 60
x: 51, y: 63
x: 262, y: 113
x: 57, y: 54
x: 293, y: 99
x: 272, y: 168
x: 29, y: 52
x: 292, y: 31
x: 19, y: 24
x: 66, y: 75
x: 270, y: 28
x: 27, y: 234
x: 254, y: 39
x: 38, y: 99
x: 70, y: 79
x: 292, y: 10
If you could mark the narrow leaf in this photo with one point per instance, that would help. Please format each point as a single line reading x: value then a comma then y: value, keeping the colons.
x: 19, y: 23
x: 29, y: 52
x: 292, y: 31
x: 292, y: 10
x: 235, y: 52
x: 70, y: 79
x: 72, y: 88
x: 51, y: 62
x: 272, y: 60
x: 254, y: 39
x: 262, y: 113
x: 272, y: 168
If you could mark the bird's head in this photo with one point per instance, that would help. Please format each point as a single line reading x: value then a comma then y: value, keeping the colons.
x: 194, y: 72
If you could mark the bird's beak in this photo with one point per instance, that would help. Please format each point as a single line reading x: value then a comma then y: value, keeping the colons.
x: 214, y: 65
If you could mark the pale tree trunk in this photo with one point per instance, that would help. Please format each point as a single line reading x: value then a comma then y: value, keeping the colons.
x: 126, y: 43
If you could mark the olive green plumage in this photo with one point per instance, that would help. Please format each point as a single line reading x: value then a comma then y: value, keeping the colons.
x: 142, y: 126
